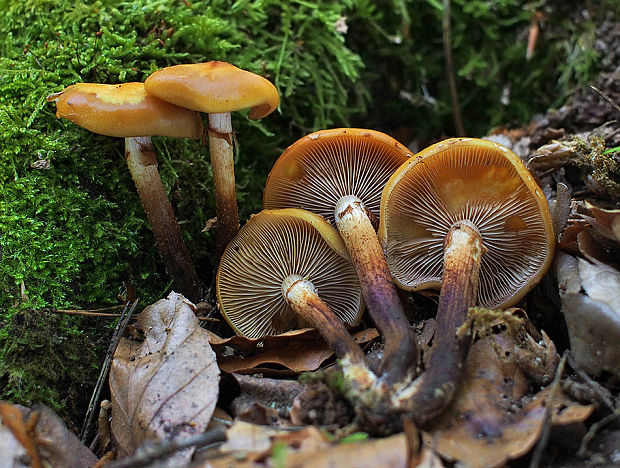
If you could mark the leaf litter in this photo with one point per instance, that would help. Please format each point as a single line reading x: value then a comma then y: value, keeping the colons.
x: 167, y: 385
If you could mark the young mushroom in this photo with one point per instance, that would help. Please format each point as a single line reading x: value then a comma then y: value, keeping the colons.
x: 339, y: 174
x: 464, y: 214
x: 126, y: 110
x: 217, y: 88
x: 288, y: 269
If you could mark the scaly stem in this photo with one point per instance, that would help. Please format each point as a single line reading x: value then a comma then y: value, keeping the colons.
x: 400, y: 353
x: 142, y: 164
x: 223, y: 166
x: 431, y: 393
x: 304, y: 300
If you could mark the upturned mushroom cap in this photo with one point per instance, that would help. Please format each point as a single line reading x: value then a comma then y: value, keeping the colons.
x: 271, y: 246
x: 467, y: 179
x: 315, y: 172
x: 124, y: 110
x: 214, y: 88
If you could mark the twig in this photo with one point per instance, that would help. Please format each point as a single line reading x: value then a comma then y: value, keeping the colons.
x: 84, y: 312
x: 147, y: 455
x: 116, y: 336
x: 546, y: 432
x: 596, y: 387
x: 104, y: 460
x: 607, y: 98
x: 447, y: 48
x: 103, y: 312
x: 583, y: 448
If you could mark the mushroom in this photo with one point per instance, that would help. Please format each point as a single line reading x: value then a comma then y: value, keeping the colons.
x: 272, y: 273
x: 217, y: 88
x: 339, y: 174
x: 467, y: 215
x: 126, y: 110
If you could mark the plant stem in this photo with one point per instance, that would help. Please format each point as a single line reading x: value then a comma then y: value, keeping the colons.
x: 447, y: 49
x: 142, y: 164
x: 223, y: 166
x: 355, y: 227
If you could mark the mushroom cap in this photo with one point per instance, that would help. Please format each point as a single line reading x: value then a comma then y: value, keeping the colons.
x: 124, y: 110
x: 271, y: 246
x: 214, y: 88
x: 477, y: 180
x: 319, y: 169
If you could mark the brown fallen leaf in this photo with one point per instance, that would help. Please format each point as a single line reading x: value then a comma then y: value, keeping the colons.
x: 42, y: 439
x: 298, y: 350
x: 167, y: 385
x: 19, y: 444
x: 255, y: 446
x: 486, y: 425
x: 62, y: 447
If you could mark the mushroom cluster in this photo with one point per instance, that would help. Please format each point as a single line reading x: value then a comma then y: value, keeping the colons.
x: 348, y: 215
x: 463, y: 215
x: 167, y: 104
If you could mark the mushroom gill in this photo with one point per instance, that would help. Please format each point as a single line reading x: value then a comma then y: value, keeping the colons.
x: 270, y: 248
x: 485, y: 188
x: 322, y: 173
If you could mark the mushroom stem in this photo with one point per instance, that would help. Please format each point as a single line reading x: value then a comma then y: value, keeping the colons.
x: 378, y: 290
x: 463, y: 250
x: 223, y: 166
x: 302, y: 296
x: 142, y: 164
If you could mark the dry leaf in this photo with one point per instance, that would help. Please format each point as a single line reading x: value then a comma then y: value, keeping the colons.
x: 38, y: 437
x: 15, y: 443
x: 252, y: 446
x: 167, y: 385
x: 485, y: 426
x: 389, y: 452
x: 298, y: 350
x: 590, y: 293
x: 64, y: 449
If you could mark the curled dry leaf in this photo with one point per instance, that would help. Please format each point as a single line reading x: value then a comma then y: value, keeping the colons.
x: 592, y: 232
x: 167, y: 385
x: 486, y: 426
x: 298, y: 350
x: 590, y: 294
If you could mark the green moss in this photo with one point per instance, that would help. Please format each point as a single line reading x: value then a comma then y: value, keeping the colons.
x: 600, y: 168
x: 47, y: 358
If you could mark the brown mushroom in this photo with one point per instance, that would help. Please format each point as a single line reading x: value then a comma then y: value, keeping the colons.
x: 467, y: 215
x: 339, y: 174
x: 272, y: 273
x: 217, y: 88
x: 125, y: 110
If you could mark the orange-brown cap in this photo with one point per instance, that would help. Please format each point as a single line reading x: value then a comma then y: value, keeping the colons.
x: 273, y: 245
x: 214, y: 88
x: 467, y: 179
x: 124, y: 110
x: 315, y: 172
